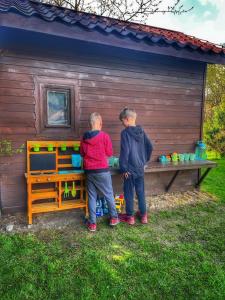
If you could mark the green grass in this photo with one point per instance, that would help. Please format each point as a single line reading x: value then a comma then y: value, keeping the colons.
x: 180, y: 254
x: 214, y: 183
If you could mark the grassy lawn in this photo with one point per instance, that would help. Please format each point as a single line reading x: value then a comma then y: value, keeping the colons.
x: 180, y: 254
x: 214, y: 183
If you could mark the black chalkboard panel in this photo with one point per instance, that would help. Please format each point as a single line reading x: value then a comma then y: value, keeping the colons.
x: 42, y: 162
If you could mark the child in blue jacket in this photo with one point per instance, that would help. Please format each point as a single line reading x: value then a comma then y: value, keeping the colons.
x: 135, y: 152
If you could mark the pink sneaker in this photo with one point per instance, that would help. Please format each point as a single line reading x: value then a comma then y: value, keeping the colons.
x: 130, y: 220
x: 143, y: 219
x: 127, y: 219
x: 91, y: 227
x: 123, y: 218
x: 114, y: 221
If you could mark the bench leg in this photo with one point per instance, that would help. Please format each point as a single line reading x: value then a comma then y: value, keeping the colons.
x: 172, y: 180
x: 202, y: 177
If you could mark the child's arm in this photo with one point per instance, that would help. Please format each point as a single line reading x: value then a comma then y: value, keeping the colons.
x: 81, y: 148
x: 108, y: 146
x: 148, y: 148
x: 124, y: 153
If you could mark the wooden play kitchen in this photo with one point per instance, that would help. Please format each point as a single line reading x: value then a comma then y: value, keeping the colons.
x: 55, y: 179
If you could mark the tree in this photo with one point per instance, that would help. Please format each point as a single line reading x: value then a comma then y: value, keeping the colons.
x: 127, y: 10
x: 214, y: 127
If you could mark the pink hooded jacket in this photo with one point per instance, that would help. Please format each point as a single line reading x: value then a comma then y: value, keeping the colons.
x: 95, y: 150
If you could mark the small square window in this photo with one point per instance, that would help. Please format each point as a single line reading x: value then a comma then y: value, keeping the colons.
x: 58, y: 110
x: 57, y: 107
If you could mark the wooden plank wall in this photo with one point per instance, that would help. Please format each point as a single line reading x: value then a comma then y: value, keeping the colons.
x: 166, y: 93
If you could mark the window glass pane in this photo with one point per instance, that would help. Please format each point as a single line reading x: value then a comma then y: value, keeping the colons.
x: 58, y: 108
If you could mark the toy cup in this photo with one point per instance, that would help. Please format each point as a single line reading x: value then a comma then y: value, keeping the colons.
x: 168, y: 157
x: 192, y: 156
x: 181, y: 157
x: 174, y: 157
x: 163, y: 159
x: 186, y: 156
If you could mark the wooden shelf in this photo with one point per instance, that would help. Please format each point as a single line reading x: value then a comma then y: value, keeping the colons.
x: 73, y: 204
x: 44, y: 195
x: 54, y: 206
x: 66, y: 156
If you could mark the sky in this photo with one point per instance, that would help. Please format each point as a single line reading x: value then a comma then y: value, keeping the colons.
x: 206, y: 20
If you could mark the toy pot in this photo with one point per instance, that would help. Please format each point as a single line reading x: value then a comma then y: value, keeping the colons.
x: 50, y: 147
x: 36, y: 148
x: 63, y: 147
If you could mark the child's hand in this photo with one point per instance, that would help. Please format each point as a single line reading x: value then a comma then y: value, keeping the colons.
x: 126, y: 175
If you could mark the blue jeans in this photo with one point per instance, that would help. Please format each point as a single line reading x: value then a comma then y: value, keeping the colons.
x: 100, y: 184
x: 137, y: 183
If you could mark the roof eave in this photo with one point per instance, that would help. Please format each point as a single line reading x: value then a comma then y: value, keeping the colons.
x: 35, y: 24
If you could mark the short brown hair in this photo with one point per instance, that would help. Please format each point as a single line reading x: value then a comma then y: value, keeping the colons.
x: 127, y: 112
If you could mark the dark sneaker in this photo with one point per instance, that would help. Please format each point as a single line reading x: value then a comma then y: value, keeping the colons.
x: 91, y: 227
x: 114, y: 221
x: 130, y: 220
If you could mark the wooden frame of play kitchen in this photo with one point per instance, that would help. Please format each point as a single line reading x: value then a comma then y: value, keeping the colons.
x: 54, y: 181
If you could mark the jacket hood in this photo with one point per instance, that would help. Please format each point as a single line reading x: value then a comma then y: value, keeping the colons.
x: 91, y: 136
x: 136, y: 132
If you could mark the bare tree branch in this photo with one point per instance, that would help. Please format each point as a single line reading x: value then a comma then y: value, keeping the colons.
x: 136, y: 10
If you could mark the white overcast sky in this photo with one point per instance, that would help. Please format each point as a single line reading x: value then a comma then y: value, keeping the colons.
x: 205, y: 21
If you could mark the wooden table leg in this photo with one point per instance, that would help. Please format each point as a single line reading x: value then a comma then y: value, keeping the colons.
x: 29, y: 202
x: 202, y: 177
x: 172, y: 180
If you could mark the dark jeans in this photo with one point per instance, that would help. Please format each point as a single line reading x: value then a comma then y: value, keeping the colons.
x: 130, y: 184
x: 100, y: 184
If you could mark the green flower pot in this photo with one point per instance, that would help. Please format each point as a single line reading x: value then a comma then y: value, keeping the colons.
x: 50, y: 147
x: 36, y: 148
x: 63, y: 147
x: 76, y: 148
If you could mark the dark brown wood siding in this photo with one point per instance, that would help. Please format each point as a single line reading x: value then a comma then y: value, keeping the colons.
x: 166, y: 93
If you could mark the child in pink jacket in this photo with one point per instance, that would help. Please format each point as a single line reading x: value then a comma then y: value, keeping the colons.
x: 96, y: 147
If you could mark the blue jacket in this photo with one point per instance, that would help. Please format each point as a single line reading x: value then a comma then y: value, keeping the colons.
x: 135, y: 150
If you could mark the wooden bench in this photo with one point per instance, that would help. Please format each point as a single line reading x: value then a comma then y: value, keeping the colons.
x: 177, y: 167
